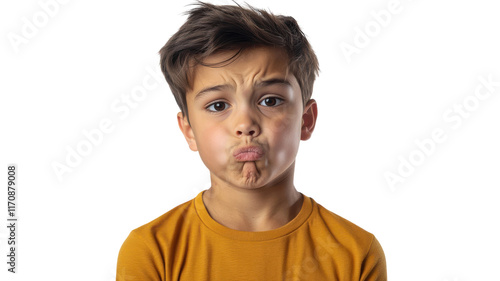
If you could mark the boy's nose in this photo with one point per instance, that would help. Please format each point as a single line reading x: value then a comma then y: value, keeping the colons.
x: 246, y: 125
x: 247, y: 132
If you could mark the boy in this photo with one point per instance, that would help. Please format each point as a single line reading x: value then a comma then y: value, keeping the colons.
x: 243, y: 80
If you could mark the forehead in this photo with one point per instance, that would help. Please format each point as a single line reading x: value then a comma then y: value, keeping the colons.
x: 250, y: 66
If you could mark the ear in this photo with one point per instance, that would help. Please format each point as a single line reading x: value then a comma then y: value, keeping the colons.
x: 187, y: 131
x: 309, y: 119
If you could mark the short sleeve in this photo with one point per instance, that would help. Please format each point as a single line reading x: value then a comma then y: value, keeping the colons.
x: 138, y: 261
x: 374, y: 266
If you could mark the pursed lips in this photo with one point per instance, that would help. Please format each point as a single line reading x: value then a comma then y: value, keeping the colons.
x: 248, y: 153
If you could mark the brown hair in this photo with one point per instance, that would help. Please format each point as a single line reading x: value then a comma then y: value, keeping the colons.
x: 211, y: 28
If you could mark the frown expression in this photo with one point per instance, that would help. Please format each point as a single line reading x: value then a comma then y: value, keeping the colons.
x: 245, y: 117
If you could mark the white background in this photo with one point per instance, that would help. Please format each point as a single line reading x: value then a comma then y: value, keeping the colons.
x: 440, y: 224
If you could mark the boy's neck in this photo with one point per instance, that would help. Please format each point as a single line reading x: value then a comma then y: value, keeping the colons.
x: 261, y: 209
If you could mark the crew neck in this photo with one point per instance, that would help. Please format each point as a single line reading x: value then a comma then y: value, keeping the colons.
x: 208, y: 221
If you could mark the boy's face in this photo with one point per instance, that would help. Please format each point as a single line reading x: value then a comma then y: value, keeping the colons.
x: 247, y: 118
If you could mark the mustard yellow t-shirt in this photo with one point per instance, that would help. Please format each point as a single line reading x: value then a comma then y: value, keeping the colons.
x: 186, y: 244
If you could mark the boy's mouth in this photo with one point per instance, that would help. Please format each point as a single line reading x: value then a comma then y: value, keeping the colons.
x: 248, y: 153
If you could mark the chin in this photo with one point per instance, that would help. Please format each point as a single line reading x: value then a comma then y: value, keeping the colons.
x: 252, y: 182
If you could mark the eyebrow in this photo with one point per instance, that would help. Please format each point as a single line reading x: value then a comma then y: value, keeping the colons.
x: 273, y: 81
x: 211, y: 89
x: 262, y: 84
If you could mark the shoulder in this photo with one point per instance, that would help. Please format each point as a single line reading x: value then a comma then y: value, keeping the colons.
x: 341, y: 230
x: 156, y: 236
x: 338, y: 222
x: 344, y: 238
x: 168, y: 223
x: 145, y: 251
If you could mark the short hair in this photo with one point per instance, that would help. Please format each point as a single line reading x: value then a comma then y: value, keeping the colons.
x: 211, y: 28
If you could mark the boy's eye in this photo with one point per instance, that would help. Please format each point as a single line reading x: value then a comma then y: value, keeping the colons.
x: 271, y: 101
x: 217, y: 106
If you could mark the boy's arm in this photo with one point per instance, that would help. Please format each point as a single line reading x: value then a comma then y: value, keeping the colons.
x: 374, y: 265
x: 138, y: 261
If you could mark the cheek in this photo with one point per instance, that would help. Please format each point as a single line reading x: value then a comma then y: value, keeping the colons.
x: 211, y: 146
x: 286, y: 137
x: 285, y: 125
